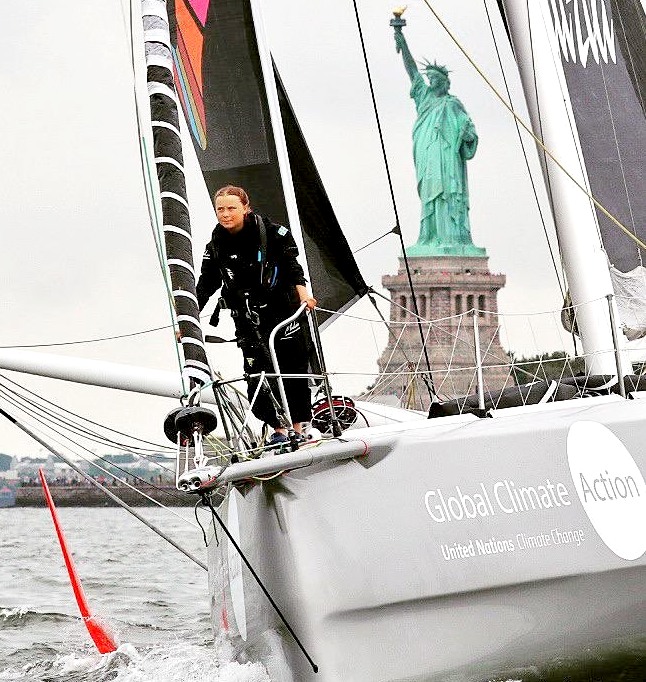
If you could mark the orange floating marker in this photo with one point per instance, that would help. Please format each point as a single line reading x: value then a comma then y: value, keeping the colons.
x: 102, y: 639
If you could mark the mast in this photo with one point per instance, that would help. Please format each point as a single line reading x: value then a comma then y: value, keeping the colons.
x: 170, y: 193
x: 536, y: 47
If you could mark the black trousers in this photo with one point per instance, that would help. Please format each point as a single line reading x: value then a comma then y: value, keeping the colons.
x: 292, y: 346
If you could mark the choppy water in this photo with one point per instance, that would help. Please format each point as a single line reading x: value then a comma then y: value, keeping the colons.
x: 153, y: 598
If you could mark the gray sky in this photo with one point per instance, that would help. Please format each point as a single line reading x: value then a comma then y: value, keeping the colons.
x: 78, y: 256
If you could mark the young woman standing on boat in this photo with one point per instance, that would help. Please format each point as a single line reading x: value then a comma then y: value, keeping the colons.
x: 255, y: 263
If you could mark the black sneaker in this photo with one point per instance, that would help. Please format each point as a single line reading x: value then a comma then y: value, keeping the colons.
x: 277, y: 438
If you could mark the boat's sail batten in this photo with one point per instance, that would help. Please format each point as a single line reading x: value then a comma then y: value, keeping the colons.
x: 169, y: 162
x: 223, y: 86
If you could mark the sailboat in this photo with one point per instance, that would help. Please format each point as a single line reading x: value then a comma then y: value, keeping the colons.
x: 462, y: 547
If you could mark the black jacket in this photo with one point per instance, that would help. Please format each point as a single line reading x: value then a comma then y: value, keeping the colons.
x: 241, y: 266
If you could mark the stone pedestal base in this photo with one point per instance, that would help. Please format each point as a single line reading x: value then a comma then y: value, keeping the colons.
x: 447, y: 290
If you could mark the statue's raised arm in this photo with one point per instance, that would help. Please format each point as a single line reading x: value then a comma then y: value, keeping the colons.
x: 401, y: 45
x: 444, y: 139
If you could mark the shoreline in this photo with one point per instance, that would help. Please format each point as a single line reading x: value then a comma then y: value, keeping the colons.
x: 82, y: 496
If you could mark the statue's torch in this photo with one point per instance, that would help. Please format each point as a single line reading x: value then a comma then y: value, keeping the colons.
x: 398, y: 23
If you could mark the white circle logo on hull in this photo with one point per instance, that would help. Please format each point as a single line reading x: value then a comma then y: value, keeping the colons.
x: 610, y: 486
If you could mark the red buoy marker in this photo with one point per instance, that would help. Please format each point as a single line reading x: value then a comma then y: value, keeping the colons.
x: 102, y: 639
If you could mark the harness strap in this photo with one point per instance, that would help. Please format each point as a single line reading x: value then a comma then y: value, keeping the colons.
x: 262, y: 254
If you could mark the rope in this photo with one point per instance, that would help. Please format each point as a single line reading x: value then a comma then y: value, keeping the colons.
x: 156, y: 446
x: 525, y: 157
x: 528, y: 129
x: 397, y: 229
x: 207, y: 501
x: 43, y: 422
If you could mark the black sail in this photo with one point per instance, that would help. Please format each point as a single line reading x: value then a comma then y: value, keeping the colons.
x: 338, y: 282
x: 603, y: 53
x: 220, y: 80
x: 583, y: 66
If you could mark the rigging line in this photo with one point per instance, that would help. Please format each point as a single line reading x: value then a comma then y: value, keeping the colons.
x: 151, y: 203
x: 53, y: 419
x: 231, y: 405
x: 526, y: 158
x: 437, y: 330
x: 98, y: 340
x: 109, y: 493
x: 207, y: 500
x: 412, y: 313
x: 199, y: 523
x: 167, y: 493
x: 60, y: 434
x: 89, y: 421
x: 536, y: 139
x: 434, y: 324
x: 47, y: 417
x: 387, y: 325
x: 77, y: 343
x: 64, y: 423
x: 397, y: 229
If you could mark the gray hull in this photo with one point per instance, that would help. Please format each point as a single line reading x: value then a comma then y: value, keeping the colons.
x: 456, y: 549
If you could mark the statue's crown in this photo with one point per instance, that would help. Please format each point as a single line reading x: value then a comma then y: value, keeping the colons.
x: 435, y: 67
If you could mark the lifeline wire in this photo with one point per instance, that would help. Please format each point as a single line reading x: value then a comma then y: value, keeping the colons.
x: 97, y: 340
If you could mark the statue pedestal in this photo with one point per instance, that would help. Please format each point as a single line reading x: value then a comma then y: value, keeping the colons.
x: 446, y: 287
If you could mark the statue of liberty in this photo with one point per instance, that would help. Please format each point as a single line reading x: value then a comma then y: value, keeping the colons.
x: 444, y: 139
